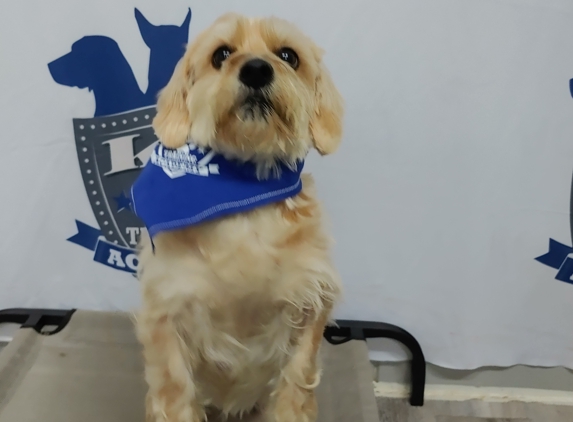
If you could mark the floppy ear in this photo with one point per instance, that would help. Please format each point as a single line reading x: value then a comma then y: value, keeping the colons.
x: 172, y: 123
x: 326, y: 121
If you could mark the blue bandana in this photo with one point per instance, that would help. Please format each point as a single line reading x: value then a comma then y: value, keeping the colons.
x: 187, y: 186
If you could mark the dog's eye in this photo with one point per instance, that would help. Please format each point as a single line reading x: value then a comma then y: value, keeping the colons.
x: 289, y: 56
x: 220, y: 55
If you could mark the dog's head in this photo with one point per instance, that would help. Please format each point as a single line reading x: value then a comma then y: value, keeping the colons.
x: 252, y: 89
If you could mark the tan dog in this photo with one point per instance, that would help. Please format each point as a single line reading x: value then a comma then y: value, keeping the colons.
x: 234, y: 309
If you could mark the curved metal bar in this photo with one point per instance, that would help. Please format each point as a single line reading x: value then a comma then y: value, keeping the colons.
x: 347, y: 330
x: 37, y: 318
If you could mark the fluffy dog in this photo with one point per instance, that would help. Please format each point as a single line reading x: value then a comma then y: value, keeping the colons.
x: 234, y: 309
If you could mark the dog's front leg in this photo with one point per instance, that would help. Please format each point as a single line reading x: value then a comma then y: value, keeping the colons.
x: 294, y: 399
x: 169, y: 373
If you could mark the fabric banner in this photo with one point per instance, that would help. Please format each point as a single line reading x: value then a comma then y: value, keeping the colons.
x: 450, y: 198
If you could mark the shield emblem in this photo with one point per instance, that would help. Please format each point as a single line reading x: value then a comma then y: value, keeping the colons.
x: 112, y: 150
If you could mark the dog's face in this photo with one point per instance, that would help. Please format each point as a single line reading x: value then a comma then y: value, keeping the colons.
x: 253, y: 89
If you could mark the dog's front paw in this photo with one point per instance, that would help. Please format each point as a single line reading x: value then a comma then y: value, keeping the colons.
x: 294, y: 404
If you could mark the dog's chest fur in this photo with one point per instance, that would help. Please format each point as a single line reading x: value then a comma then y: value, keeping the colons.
x: 238, y: 289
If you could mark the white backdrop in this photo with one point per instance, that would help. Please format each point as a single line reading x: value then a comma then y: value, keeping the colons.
x: 454, y: 174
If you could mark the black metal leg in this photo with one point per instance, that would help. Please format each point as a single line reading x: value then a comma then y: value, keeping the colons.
x: 37, y: 318
x: 361, y: 330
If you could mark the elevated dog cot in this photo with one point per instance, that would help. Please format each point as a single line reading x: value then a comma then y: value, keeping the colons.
x: 73, y: 365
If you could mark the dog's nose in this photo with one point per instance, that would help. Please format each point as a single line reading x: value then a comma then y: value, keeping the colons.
x: 256, y: 73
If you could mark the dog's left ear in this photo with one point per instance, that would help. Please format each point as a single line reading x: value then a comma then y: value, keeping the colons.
x: 172, y: 123
x: 326, y: 121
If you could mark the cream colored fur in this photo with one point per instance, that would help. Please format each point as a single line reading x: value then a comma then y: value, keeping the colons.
x: 234, y: 309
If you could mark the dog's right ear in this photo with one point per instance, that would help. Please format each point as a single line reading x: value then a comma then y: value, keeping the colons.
x: 326, y: 121
x: 172, y: 123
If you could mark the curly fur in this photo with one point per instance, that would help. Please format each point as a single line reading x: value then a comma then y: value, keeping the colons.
x: 234, y: 309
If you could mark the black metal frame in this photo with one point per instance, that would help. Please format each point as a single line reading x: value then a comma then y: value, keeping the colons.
x: 344, y: 331
x: 37, y: 318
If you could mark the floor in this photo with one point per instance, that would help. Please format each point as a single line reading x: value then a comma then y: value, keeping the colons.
x: 516, y: 376
x: 398, y: 410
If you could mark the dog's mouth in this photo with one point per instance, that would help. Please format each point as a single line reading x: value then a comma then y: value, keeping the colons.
x: 256, y: 105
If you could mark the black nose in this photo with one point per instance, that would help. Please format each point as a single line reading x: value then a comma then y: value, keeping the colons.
x: 256, y: 73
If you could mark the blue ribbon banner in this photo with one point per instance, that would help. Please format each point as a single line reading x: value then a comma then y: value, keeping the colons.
x: 560, y: 257
x: 107, y: 253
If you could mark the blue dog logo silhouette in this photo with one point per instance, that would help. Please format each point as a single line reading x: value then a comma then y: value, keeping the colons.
x: 117, y: 141
x: 560, y: 256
